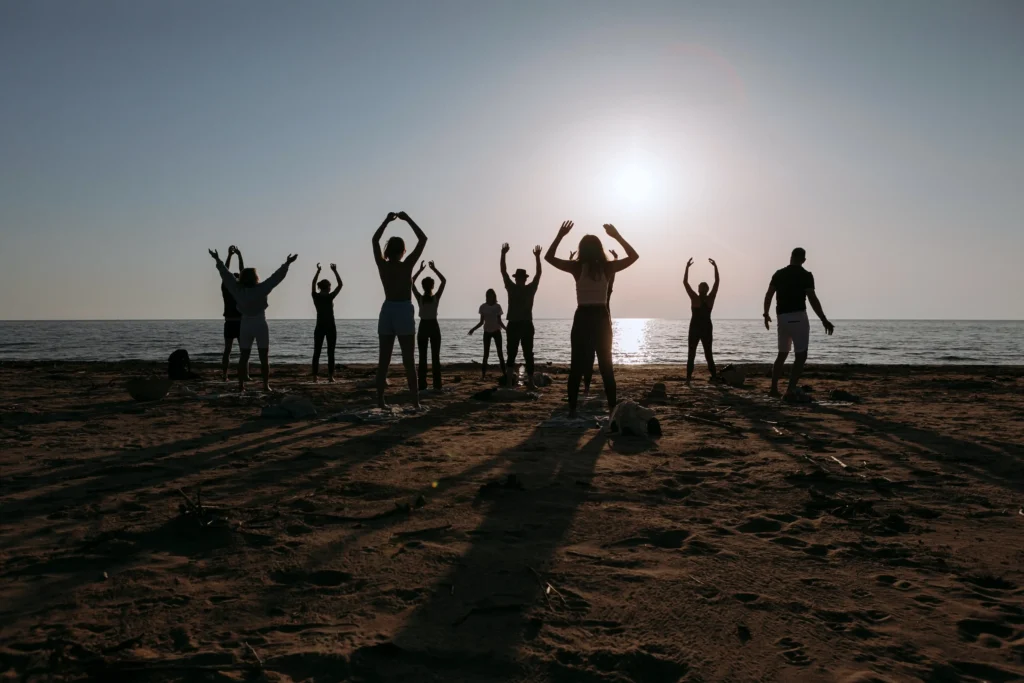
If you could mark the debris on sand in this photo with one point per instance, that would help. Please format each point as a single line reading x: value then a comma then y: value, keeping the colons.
x: 732, y: 376
x: 631, y: 419
x: 843, y: 396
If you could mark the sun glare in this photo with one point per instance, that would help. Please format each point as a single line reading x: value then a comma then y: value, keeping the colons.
x: 635, y: 183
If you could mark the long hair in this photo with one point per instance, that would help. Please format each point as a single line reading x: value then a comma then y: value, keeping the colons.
x: 592, y: 257
x: 428, y: 288
x: 394, y: 249
x: 248, y: 278
x: 492, y: 297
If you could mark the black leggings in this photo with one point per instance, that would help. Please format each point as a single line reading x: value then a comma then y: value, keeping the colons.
x: 701, y: 332
x: 520, y: 332
x: 496, y: 336
x: 429, y: 333
x: 330, y: 332
x: 591, y: 333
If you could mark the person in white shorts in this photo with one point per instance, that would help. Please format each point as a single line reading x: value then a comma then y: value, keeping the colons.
x: 794, y: 287
x: 397, y: 316
x: 250, y: 297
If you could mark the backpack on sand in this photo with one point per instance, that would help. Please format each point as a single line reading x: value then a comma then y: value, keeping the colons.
x: 178, y: 366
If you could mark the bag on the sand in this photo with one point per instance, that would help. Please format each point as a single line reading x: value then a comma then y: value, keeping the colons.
x: 178, y: 366
x: 631, y: 419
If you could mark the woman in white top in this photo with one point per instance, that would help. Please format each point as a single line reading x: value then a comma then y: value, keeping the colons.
x: 250, y: 297
x: 490, y: 319
x: 429, y: 331
x: 592, y: 325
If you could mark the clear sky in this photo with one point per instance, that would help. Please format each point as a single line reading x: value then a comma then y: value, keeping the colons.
x: 887, y: 138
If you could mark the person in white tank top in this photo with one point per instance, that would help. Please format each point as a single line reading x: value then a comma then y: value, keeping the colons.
x: 591, y: 326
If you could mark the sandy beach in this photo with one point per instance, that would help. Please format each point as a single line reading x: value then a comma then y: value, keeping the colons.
x: 191, y: 539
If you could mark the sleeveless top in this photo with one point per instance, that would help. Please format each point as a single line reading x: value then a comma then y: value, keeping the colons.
x: 428, y: 307
x: 591, y: 291
x: 324, y: 304
x: 701, y: 313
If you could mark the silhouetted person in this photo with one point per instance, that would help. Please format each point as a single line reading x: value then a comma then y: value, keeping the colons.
x: 794, y: 287
x: 588, y: 374
x: 326, y: 328
x: 430, y: 331
x: 232, y: 318
x: 591, y: 326
x: 397, y: 315
x: 520, y: 313
x: 701, y: 328
x: 490, y: 320
x: 251, y: 298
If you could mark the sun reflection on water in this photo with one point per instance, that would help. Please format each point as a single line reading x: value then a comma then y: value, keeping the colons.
x: 631, y: 340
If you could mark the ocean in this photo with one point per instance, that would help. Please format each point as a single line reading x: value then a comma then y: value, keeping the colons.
x: 637, y: 340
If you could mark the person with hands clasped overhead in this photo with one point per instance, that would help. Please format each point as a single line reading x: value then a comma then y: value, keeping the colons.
x: 232, y: 318
x: 490, y: 320
x: 701, y: 328
x: 520, y: 313
x: 429, y: 332
x: 250, y: 296
x: 397, y: 316
x: 323, y: 300
x: 794, y: 286
x: 591, y: 326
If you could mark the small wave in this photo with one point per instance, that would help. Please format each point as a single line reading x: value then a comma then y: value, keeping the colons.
x: 967, y: 358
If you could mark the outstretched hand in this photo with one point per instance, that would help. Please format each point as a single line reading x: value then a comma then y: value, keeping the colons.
x: 829, y: 327
x: 403, y: 215
x: 572, y: 255
x: 391, y: 216
x: 232, y: 249
x: 614, y: 254
x: 470, y: 333
x: 291, y: 258
x: 318, y: 267
x: 215, y: 255
x: 334, y: 267
x: 611, y: 230
x: 566, y: 227
x: 712, y: 262
x: 431, y: 264
x: 504, y: 248
x: 689, y: 263
x: 537, y: 250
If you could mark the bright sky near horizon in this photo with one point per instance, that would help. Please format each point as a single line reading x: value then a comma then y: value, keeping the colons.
x: 887, y: 138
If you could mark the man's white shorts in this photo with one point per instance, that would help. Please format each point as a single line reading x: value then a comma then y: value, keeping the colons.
x: 794, y: 330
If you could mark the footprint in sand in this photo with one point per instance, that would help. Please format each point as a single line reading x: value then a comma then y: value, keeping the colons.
x: 759, y: 525
x: 327, y: 578
x: 793, y: 651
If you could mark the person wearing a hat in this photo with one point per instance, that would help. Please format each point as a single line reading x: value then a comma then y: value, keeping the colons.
x: 520, y: 313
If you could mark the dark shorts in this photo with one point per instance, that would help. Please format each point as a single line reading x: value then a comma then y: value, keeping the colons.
x: 232, y: 329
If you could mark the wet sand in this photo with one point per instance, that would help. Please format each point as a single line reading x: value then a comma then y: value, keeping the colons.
x: 189, y: 539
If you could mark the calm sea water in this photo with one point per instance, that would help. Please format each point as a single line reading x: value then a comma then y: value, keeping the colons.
x: 637, y: 340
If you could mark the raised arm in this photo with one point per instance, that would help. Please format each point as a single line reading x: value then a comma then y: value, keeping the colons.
x: 440, y: 278
x: 337, y: 277
x: 226, y: 278
x: 227, y: 261
x: 536, y: 257
x: 316, y: 276
x: 378, y: 255
x: 416, y: 275
x: 714, y: 288
x: 816, y: 305
x: 504, y: 269
x: 421, y: 237
x: 561, y: 264
x: 241, y: 261
x: 275, y: 279
x: 686, y: 281
x: 631, y: 255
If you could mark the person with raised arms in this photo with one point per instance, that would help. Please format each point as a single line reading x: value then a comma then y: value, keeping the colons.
x: 397, y: 315
x: 520, y: 330
x: 250, y: 296
x: 591, y: 326
x: 232, y: 318
x: 701, y: 329
x: 429, y: 333
x: 326, y: 328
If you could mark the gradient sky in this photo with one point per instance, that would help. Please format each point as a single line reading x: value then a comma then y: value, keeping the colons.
x: 887, y: 138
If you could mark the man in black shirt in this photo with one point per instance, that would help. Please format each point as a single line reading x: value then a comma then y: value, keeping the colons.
x: 794, y: 287
x: 232, y: 318
x: 520, y: 313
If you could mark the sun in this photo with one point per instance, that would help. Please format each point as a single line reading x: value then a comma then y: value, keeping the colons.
x: 635, y: 183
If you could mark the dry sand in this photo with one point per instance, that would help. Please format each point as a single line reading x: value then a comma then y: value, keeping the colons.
x: 880, y: 541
